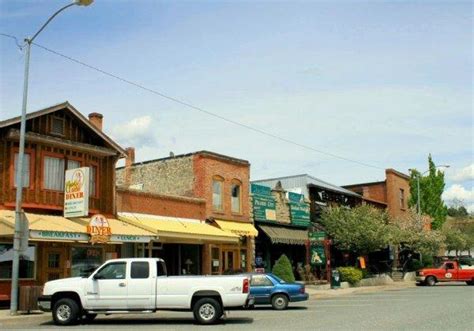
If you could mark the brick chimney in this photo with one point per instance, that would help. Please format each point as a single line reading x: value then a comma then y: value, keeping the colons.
x: 96, y: 120
x: 129, y: 161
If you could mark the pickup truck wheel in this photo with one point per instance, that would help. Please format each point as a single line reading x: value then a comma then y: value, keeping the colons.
x: 279, y: 302
x: 430, y: 281
x: 207, y: 311
x: 65, y: 312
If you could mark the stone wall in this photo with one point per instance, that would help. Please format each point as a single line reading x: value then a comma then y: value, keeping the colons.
x: 174, y: 176
x: 282, y: 207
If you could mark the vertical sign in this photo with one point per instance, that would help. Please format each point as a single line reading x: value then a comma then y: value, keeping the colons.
x: 299, y: 209
x: 264, y: 205
x: 76, y: 192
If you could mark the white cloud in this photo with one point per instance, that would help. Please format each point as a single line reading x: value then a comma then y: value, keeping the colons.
x: 137, y: 132
x: 461, y: 175
x: 459, y: 193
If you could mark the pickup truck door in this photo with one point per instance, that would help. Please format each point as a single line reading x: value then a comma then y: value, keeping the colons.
x: 261, y: 288
x: 107, y: 288
x: 451, y: 271
x: 141, y: 285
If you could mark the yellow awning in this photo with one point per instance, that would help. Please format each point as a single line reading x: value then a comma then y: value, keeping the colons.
x: 54, y: 228
x: 238, y: 228
x: 176, y: 229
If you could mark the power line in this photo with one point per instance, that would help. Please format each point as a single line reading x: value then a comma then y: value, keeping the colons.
x: 209, y: 113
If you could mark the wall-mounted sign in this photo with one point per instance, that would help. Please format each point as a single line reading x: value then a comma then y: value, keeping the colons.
x: 264, y: 205
x: 299, y: 209
x: 130, y: 238
x: 317, y: 235
x: 99, y: 229
x: 58, y: 235
x: 76, y: 192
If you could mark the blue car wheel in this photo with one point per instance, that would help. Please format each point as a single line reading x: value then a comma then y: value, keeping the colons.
x: 279, y: 302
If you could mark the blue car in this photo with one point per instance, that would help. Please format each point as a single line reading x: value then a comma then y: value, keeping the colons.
x: 269, y: 289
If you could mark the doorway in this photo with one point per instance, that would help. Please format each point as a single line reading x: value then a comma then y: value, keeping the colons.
x: 54, y: 263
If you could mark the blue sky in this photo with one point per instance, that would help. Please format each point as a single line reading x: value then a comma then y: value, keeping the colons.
x: 381, y: 82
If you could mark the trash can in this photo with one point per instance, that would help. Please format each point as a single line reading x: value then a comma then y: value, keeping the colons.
x: 335, y: 279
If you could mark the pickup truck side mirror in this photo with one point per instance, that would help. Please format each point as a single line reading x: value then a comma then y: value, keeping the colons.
x: 97, y: 276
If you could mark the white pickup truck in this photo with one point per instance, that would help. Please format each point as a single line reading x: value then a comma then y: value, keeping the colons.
x: 141, y: 285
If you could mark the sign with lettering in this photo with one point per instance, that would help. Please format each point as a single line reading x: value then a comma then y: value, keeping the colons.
x: 130, y: 238
x: 264, y: 205
x: 58, y: 235
x: 99, y: 229
x: 299, y: 209
x: 317, y: 236
x: 76, y: 192
x: 318, y: 255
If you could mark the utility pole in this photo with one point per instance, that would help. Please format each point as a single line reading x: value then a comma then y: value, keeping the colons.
x: 18, y: 237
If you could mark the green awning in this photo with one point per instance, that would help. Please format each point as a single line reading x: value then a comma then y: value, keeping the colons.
x: 280, y: 235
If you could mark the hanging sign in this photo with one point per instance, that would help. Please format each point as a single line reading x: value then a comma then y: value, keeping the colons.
x: 76, y: 192
x: 58, y: 235
x: 318, y: 256
x: 264, y: 205
x: 99, y: 229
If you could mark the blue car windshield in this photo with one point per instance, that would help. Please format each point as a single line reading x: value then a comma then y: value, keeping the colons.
x: 279, y: 280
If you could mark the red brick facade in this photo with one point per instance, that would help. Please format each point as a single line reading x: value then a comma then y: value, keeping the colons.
x: 158, y: 204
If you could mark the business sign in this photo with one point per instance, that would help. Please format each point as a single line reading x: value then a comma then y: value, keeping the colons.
x: 264, y: 205
x: 318, y: 255
x: 99, y: 229
x: 76, y: 192
x: 317, y: 235
x: 299, y: 209
x: 58, y: 235
x: 130, y: 238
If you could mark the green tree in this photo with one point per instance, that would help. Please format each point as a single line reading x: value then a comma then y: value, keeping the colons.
x: 283, y: 269
x: 362, y: 229
x: 431, y: 189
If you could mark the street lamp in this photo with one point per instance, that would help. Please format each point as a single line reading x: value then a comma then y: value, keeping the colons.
x: 418, y: 206
x: 19, y: 171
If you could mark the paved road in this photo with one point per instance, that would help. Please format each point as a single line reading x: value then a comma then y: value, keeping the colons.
x: 443, y: 307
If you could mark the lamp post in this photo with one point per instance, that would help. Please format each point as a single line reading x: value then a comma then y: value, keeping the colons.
x: 18, y: 236
x: 418, y: 205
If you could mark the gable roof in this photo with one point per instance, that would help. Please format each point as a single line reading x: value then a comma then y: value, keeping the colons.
x: 65, y: 106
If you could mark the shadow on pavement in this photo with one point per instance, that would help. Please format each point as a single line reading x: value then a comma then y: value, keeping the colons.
x: 270, y: 308
x: 154, y: 321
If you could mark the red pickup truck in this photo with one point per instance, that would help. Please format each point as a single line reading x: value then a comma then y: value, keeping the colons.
x: 448, y: 271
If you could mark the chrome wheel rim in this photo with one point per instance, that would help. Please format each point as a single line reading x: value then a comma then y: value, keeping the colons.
x: 63, y: 313
x: 207, y: 311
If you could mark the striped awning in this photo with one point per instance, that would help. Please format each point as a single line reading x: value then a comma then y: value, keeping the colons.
x: 281, y: 235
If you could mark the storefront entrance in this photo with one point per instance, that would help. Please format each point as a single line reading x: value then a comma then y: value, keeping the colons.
x: 54, y: 263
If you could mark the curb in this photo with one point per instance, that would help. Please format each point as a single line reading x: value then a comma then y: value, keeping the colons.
x: 353, y: 290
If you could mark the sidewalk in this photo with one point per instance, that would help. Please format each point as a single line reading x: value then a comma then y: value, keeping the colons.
x: 324, y: 291
x: 5, y: 315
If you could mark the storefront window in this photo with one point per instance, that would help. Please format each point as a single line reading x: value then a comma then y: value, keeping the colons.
x: 85, y: 260
x: 215, y: 260
x: 27, y: 262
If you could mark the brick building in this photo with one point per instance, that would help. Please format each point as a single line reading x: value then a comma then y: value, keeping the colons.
x: 206, y: 189
x: 392, y: 193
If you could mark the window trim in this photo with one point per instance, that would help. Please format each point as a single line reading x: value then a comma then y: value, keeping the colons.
x: 31, y: 152
x: 218, y: 179
x: 97, y: 177
x: 36, y: 262
x: 238, y: 183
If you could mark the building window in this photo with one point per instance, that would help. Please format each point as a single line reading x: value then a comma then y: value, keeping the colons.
x: 53, y: 173
x: 27, y: 262
x: 57, y: 126
x: 402, y: 198
x: 93, y: 181
x: 235, y: 197
x: 26, y: 169
x: 73, y: 164
x: 217, y: 184
x: 85, y: 260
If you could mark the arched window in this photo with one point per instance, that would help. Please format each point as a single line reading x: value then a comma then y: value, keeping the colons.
x: 217, y: 190
x: 236, y: 196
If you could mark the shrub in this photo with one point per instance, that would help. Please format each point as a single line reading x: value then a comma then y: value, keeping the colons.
x: 283, y: 269
x: 428, y: 261
x: 350, y: 274
x: 414, y: 265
